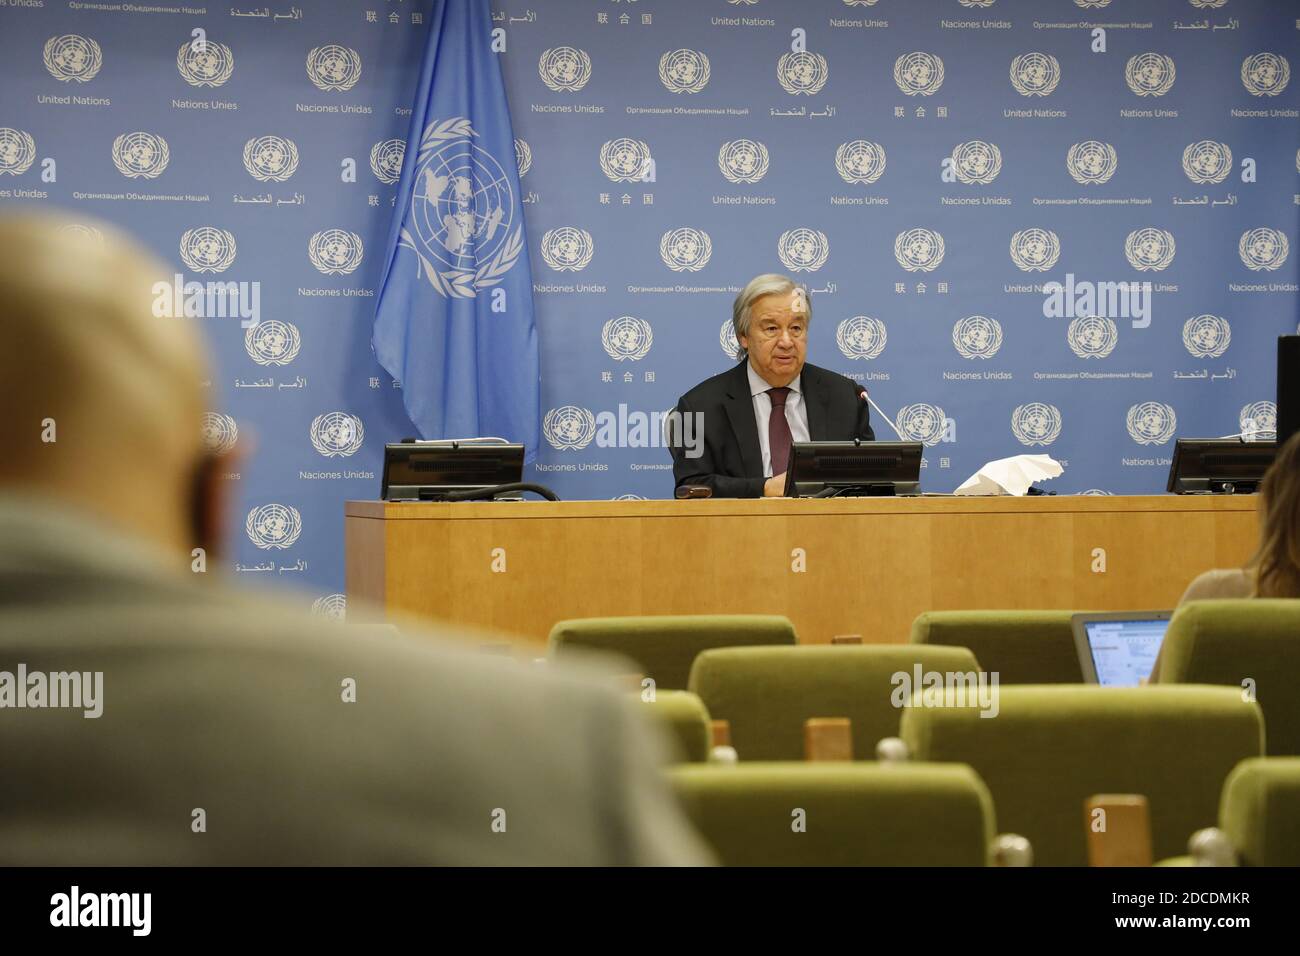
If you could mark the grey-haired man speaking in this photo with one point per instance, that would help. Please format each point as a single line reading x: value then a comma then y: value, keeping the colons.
x: 753, y: 413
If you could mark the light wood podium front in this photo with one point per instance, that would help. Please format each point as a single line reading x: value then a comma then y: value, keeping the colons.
x: 863, y: 566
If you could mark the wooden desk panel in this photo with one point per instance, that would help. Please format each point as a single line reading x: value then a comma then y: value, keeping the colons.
x: 870, y: 564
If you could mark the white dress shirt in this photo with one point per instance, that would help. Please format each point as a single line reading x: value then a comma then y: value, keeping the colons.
x: 796, y: 413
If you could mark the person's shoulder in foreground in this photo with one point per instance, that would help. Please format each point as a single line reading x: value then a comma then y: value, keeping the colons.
x: 233, y: 730
x: 1219, y: 583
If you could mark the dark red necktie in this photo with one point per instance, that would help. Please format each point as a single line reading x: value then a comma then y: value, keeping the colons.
x: 778, y: 431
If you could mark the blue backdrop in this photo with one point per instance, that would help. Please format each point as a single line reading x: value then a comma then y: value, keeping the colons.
x: 925, y: 167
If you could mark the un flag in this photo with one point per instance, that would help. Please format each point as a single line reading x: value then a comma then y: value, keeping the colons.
x: 454, y: 318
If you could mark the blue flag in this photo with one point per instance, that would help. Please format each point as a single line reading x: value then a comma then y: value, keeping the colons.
x: 454, y: 320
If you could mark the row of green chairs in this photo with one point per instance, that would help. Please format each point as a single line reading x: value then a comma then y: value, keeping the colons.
x: 1253, y: 645
x: 1047, y: 751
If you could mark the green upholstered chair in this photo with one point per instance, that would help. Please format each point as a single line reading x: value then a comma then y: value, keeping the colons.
x: 684, y: 717
x: 854, y: 814
x: 664, y: 646
x: 1259, y: 818
x: 1022, y: 647
x: 766, y: 693
x: 1231, y: 642
x: 1260, y: 811
x: 1051, y: 747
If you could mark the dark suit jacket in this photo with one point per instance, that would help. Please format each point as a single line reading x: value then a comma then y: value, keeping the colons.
x: 732, y: 463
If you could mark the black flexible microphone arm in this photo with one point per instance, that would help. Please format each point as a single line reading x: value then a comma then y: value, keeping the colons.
x: 487, y: 494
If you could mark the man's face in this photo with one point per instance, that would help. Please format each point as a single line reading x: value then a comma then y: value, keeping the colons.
x: 777, y: 340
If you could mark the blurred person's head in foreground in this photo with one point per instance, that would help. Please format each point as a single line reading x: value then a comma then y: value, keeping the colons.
x: 102, y: 399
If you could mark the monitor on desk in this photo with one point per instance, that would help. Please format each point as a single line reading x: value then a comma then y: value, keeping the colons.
x: 1219, y: 465
x: 852, y: 469
x: 428, y: 471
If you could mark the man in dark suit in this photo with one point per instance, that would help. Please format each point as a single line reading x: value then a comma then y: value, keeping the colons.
x: 752, y: 413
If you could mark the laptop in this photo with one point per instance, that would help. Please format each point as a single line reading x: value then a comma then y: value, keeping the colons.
x: 1119, y: 648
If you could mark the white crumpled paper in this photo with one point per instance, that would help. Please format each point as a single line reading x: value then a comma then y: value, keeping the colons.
x: 1010, y: 476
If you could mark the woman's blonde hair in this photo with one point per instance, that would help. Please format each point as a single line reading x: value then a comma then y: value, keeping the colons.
x: 1276, y: 564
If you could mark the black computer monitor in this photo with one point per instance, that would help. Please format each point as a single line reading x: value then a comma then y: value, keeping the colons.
x: 850, y: 468
x: 1219, y: 465
x: 1288, y: 386
x: 428, y: 471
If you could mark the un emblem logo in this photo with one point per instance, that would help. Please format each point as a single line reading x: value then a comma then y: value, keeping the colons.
x: 727, y: 339
x: 1092, y: 4
x: 857, y: 3
x: 523, y: 157
x: 1092, y: 336
x: 861, y: 337
x: 209, y: 65
x: 685, y: 249
x: 628, y: 497
x: 918, y: 74
x: 1150, y: 249
x: 72, y: 57
x: 17, y: 151
x: 1258, y: 421
x: 919, y: 250
x: 1151, y: 423
x: 1206, y: 336
x: 1091, y: 162
x: 208, y: 249
x: 1263, y: 249
x: 271, y: 159
x: 83, y: 232
x: 802, y: 72
x: 1207, y: 4
x: 461, y: 221
x: 1036, y: 423
x: 272, y: 342
x: 140, y: 155
x: 334, y: 68
x: 1035, y: 250
x: 335, y: 252
x: 567, y: 249
x: 977, y: 162
x: 626, y: 338
x: 336, y: 434
x: 921, y: 422
x: 569, y: 427
x: 564, y: 69
x: 624, y: 160
x: 743, y: 160
x: 273, y: 526
x: 860, y: 161
x: 977, y: 336
x: 803, y: 250
x: 1150, y: 74
x: 1207, y: 162
x: 218, y: 433
x: 1265, y: 74
x: 332, y: 607
x: 1035, y: 74
x: 684, y: 71
x: 386, y: 160
x: 1096, y: 492
x: 976, y: 3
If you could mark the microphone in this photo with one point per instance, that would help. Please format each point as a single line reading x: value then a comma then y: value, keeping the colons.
x: 862, y: 393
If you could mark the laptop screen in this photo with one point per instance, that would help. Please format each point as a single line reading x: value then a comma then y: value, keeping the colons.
x: 1123, y: 652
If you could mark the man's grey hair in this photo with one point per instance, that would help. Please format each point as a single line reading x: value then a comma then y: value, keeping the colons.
x: 769, y: 283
